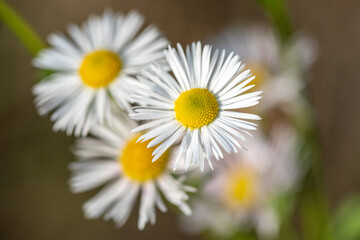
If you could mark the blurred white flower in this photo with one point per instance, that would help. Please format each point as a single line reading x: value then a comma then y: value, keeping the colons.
x: 278, y: 69
x: 115, y: 159
x: 239, y: 194
x: 93, y: 69
x: 201, y: 106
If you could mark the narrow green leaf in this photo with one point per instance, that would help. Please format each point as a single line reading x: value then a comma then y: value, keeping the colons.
x: 346, y: 222
x: 21, y: 29
x: 277, y: 11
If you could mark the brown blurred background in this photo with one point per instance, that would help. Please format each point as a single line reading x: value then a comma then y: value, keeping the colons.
x: 34, y: 199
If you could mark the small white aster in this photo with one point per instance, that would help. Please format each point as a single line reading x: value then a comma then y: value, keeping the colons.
x: 94, y: 69
x: 115, y: 159
x: 240, y: 194
x: 279, y: 69
x: 200, y: 106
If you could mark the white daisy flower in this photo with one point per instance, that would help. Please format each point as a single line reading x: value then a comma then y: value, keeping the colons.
x: 278, y: 68
x: 93, y: 69
x: 240, y: 194
x: 115, y: 159
x: 200, y: 105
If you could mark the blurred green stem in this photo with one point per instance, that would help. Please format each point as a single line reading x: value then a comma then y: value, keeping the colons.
x: 276, y: 9
x: 313, y: 205
x: 21, y: 29
x: 315, y: 214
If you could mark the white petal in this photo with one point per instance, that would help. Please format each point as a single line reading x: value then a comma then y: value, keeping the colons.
x: 97, y: 205
x: 88, y: 175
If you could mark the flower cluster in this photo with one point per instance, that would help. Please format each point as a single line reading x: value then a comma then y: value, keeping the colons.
x: 141, y: 109
x: 245, y: 191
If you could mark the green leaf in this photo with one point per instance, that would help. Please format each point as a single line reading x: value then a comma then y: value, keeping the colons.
x: 314, y: 216
x: 346, y: 222
x: 277, y: 11
x: 241, y: 235
x: 21, y: 29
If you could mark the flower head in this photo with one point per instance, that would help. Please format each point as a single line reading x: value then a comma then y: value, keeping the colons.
x: 94, y: 69
x: 242, y: 190
x: 278, y: 68
x: 114, y: 158
x: 198, y: 103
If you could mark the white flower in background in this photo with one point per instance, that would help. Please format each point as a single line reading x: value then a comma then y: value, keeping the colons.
x: 278, y: 70
x: 94, y: 69
x: 239, y: 194
x: 200, y: 104
x: 115, y: 159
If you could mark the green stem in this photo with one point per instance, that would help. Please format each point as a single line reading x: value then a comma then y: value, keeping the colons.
x: 21, y: 29
x: 314, y: 206
x: 314, y: 209
x: 277, y: 11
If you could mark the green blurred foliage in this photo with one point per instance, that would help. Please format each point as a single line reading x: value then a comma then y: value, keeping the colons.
x: 345, y: 224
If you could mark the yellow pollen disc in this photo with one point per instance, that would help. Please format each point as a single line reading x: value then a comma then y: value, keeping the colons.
x: 136, y: 161
x: 242, y: 188
x: 261, y: 75
x: 100, y: 68
x: 196, y: 107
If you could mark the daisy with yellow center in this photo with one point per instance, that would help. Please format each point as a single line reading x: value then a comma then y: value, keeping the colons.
x: 200, y: 104
x: 278, y: 69
x: 113, y: 157
x: 241, y: 193
x: 94, y: 70
x: 241, y: 188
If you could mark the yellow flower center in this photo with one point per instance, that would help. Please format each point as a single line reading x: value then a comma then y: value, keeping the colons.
x: 100, y: 68
x: 196, y: 107
x: 261, y: 75
x: 136, y: 161
x: 241, y: 188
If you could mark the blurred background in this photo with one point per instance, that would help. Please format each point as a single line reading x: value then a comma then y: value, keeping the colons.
x: 35, y: 202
